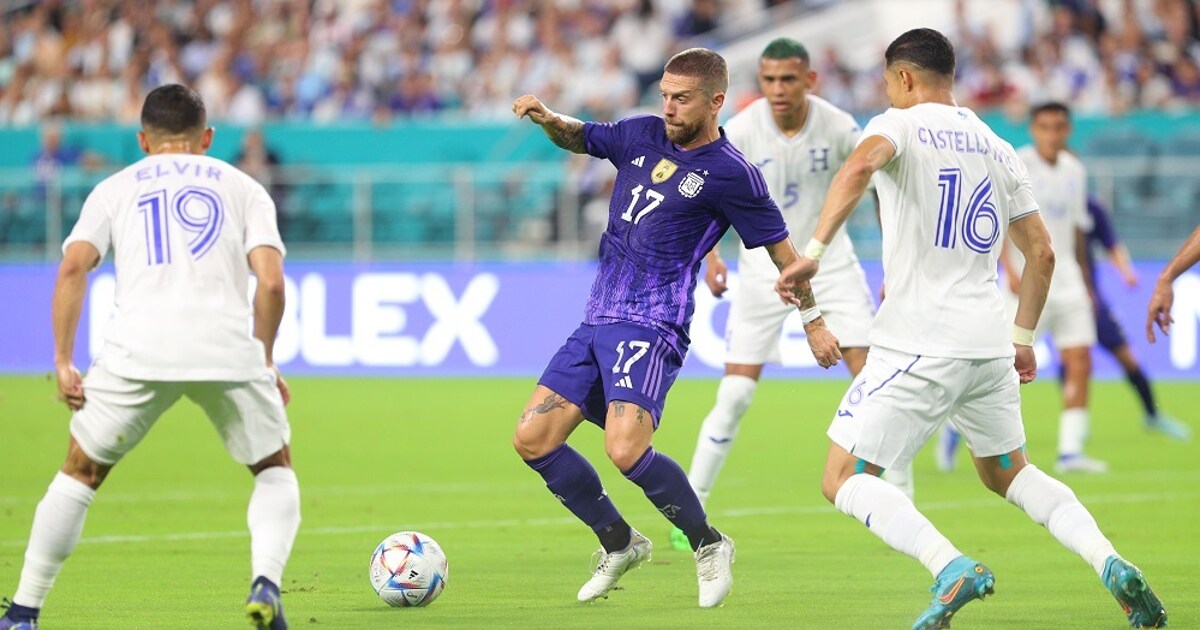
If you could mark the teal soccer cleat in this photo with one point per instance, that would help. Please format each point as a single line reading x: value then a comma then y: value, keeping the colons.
x: 1169, y: 427
x: 960, y: 582
x: 1142, y: 607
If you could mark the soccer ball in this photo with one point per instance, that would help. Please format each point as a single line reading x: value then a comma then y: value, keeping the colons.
x: 409, y: 569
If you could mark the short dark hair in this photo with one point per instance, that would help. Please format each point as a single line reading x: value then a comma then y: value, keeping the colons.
x: 703, y: 64
x: 924, y: 48
x: 786, y: 48
x: 1050, y: 107
x: 173, y: 109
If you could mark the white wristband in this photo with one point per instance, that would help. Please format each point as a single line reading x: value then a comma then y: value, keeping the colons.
x: 810, y: 315
x: 1022, y: 336
x: 815, y: 249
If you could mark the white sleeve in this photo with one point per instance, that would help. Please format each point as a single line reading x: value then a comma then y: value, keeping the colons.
x: 262, y: 228
x: 891, y: 125
x: 1023, y: 201
x: 94, y: 225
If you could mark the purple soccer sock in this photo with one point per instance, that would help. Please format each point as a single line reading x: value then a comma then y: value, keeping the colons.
x: 573, y: 480
x: 667, y: 487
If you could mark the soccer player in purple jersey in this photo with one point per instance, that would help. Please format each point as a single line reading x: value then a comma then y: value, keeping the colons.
x: 679, y: 187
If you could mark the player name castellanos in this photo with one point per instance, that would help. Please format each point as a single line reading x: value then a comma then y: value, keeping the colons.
x: 960, y: 141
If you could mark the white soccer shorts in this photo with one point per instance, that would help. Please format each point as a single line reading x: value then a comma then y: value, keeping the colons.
x: 899, y: 400
x: 249, y: 416
x: 757, y: 316
x: 1068, y: 319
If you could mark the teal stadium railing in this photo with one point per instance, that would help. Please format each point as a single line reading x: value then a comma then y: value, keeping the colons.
x: 470, y: 191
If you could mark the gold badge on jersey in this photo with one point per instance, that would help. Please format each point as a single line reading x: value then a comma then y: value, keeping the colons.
x: 663, y: 171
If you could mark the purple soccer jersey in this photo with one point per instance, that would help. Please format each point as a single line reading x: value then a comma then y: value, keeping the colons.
x: 669, y: 208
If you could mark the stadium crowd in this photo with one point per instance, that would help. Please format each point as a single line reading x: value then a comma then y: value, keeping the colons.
x: 354, y: 60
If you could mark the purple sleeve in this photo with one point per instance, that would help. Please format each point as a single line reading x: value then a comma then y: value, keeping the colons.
x: 1102, y: 229
x: 609, y: 140
x: 751, y: 210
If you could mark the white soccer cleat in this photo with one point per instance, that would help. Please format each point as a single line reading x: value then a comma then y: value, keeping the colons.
x: 613, y: 565
x: 1079, y: 463
x: 714, y: 571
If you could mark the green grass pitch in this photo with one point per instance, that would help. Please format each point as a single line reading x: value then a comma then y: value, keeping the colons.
x: 165, y: 543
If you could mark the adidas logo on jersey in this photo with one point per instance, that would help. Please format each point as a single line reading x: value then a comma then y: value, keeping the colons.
x: 641, y: 159
x: 624, y: 381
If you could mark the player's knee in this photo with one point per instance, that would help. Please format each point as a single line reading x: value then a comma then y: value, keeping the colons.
x: 280, y: 458
x: 530, y: 445
x: 831, y: 482
x: 84, y: 469
x: 624, y: 455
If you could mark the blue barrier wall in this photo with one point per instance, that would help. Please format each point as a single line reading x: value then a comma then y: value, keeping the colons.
x: 492, y: 319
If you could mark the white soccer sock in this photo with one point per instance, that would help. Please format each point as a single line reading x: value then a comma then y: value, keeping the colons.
x: 57, y: 526
x: 1072, y: 431
x: 889, y: 514
x: 1051, y: 504
x: 902, y: 478
x: 720, y: 427
x: 274, y: 518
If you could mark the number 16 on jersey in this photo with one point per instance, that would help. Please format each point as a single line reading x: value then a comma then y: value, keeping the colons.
x: 978, y: 226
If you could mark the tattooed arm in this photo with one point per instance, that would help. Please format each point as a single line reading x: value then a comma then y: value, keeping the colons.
x: 783, y: 254
x: 825, y: 346
x: 564, y: 131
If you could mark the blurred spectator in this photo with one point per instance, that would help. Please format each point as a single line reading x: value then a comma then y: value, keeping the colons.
x: 702, y: 18
x: 53, y: 155
x: 346, y: 60
x: 260, y: 162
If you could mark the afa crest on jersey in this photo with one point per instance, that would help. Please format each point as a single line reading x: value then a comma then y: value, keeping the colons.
x: 663, y: 171
x: 691, y: 185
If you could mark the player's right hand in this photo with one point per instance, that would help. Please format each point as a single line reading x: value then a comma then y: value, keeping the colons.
x: 529, y: 105
x: 825, y: 347
x: 1026, y: 363
x: 284, y: 391
x: 798, y: 271
x: 716, y: 275
x: 1159, y: 311
x: 70, y: 386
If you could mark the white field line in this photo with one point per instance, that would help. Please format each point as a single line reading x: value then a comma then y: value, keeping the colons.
x: 937, y: 506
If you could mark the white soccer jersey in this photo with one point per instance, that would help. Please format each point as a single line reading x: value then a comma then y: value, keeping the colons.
x: 181, y: 227
x: 946, y: 200
x: 1061, y: 191
x: 798, y: 171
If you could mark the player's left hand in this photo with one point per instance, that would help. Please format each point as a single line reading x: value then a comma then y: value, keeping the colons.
x: 281, y: 385
x: 800, y: 270
x: 1159, y: 311
x: 825, y: 347
x: 1025, y: 363
x: 70, y: 386
x: 716, y: 275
